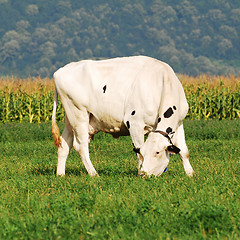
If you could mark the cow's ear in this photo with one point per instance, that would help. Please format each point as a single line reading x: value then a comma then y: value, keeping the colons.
x: 173, y: 149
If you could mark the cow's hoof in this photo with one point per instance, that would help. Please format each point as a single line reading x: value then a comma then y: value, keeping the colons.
x: 190, y: 173
x: 60, y: 175
x: 142, y: 174
x: 94, y: 174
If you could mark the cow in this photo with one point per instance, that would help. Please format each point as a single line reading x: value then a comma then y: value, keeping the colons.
x: 134, y: 96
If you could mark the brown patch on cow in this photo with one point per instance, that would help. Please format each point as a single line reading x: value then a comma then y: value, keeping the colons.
x: 56, y: 135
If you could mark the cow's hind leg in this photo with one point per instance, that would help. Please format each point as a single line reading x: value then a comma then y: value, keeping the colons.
x: 64, y: 149
x: 179, y: 141
x: 81, y: 141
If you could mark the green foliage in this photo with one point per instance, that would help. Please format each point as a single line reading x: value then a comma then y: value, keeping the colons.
x: 213, y: 102
x: 38, y: 37
x: 205, y: 101
x: 33, y: 107
x: 35, y: 204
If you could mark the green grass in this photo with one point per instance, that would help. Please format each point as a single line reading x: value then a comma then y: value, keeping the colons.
x: 35, y: 204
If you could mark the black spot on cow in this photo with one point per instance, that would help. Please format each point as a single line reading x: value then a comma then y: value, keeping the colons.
x: 133, y: 112
x: 136, y: 150
x: 159, y: 120
x: 104, y: 88
x: 128, y: 124
x: 174, y: 107
x: 168, y: 113
x: 168, y: 130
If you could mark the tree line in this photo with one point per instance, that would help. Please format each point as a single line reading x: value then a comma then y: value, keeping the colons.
x: 194, y: 37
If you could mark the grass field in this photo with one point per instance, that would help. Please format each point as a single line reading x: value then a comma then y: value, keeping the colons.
x: 35, y: 204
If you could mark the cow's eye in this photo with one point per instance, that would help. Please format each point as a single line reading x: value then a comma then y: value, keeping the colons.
x: 157, y: 154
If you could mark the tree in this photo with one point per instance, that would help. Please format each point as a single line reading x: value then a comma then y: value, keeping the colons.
x: 48, y: 49
x: 3, y: 1
x: 32, y: 10
x: 22, y: 26
x: 175, y: 63
x: 40, y: 35
x: 205, y: 65
x: 235, y: 15
x: 206, y: 41
x: 88, y: 53
x: 224, y: 45
x: 72, y: 56
x: 48, y: 34
x: 9, y: 51
x: 10, y: 35
x: 215, y: 15
x: 228, y: 32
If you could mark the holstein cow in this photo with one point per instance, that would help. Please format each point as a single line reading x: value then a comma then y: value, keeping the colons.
x: 131, y: 95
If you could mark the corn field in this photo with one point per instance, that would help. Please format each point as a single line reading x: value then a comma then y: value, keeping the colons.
x: 31, y: 100
x: 27, y: 100
x: 212, y: 97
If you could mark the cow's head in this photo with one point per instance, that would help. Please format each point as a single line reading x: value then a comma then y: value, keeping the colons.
x: 155, y: 153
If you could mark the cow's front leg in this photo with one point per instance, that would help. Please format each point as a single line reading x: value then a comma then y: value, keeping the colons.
x: 80, y: 144
x: 136, y: 131
x: 179, y: 141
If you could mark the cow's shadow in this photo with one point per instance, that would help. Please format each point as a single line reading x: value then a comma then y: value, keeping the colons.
x: 118, y: 172
x: 43, y: 170
x: 81, y: 171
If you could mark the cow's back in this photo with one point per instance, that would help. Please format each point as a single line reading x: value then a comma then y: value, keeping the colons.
x: 101, y: 86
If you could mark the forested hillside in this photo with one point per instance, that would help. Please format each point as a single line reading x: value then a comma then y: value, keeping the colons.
x: 39, y: 36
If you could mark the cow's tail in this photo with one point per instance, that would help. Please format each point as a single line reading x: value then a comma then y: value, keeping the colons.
x: 55, y: 129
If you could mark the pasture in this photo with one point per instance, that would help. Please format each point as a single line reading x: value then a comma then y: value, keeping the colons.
x: 35, y: 204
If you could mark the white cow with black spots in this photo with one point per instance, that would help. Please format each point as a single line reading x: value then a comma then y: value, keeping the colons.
x: 131, y: 95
